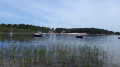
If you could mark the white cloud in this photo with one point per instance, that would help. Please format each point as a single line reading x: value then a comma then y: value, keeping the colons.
x: 65, y: 13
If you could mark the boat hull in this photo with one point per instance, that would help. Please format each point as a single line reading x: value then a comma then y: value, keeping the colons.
x: 79, y: 36
x: 37, y: 35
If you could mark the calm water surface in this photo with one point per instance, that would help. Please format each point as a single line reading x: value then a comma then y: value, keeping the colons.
x: 108, y: 43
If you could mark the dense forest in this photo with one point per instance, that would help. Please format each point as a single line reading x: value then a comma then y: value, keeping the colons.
x: 23, y: 28
x: 83, y: 30
x: 117, y: 33
x: 26, y: 28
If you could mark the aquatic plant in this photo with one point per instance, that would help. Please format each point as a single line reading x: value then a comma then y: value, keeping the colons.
x: 54, y: 56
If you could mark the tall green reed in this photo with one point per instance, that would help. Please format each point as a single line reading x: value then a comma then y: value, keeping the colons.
x: 56, y: 55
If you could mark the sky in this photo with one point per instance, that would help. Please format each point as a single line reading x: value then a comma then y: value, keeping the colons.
x: 103, y: 14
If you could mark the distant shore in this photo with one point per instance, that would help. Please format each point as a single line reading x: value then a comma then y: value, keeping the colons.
x: 57, y: 33
x: 75, y: 33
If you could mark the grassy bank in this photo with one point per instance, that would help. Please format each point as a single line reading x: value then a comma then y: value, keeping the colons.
x: 53, y: 56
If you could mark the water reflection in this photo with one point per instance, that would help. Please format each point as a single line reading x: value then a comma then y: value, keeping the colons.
x: 108, y: 43
x: 15, y: 37
x: 104, y: 41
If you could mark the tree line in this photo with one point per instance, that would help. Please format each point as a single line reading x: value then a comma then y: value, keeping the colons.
x: 83, y: 30
x: 22, y: 28
x: 26, y: 28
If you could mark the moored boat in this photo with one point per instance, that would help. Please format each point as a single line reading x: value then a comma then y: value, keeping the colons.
x: 38, y: 34
x: 79, y: 36
x: 44, y: 33
x: 11, y: 33
x: 118, y: 37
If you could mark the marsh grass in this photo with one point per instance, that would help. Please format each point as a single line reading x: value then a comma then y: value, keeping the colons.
x: 54, y: 56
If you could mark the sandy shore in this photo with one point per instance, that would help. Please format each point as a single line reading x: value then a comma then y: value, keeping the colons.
x: 70, y: 33
x: 76, y: 33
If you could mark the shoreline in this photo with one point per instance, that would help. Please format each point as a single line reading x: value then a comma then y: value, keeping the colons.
x: 75, y: 33
x: 84, y: 34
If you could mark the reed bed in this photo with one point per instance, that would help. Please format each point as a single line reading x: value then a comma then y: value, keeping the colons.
x: 53, y: 56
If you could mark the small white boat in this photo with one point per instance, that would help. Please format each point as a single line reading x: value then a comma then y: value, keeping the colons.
x: 44, y: 33
x: 11, y: 33
x: 38, y: 34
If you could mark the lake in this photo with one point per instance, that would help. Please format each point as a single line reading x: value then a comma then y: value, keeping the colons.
x: 110, y: 44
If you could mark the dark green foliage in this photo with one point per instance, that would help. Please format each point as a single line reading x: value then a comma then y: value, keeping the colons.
x: 23, y: 28
x: 117, y: 33
x: 83, y: 30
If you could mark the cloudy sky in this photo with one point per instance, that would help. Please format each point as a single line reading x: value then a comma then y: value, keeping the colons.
x: 103, y: 14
